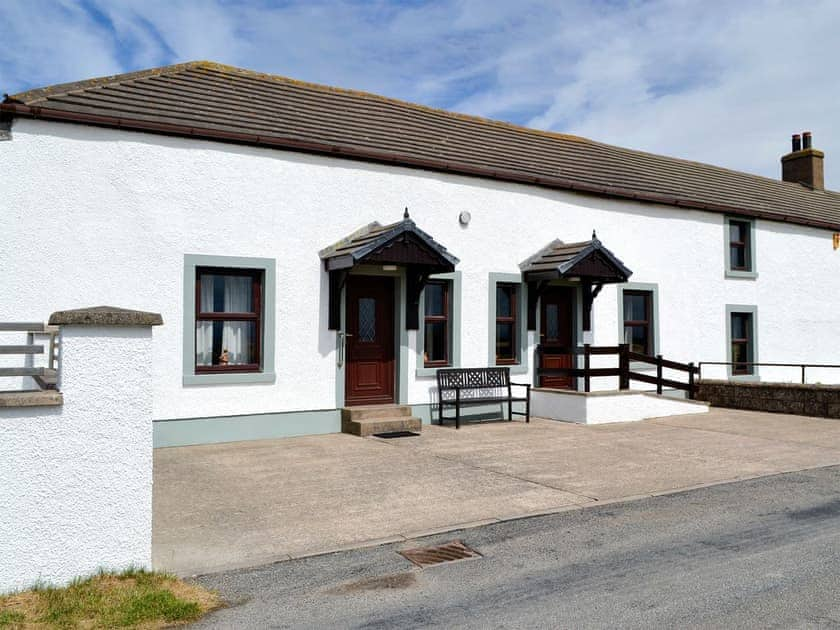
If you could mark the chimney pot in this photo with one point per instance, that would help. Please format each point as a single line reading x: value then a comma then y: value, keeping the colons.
x: 796, y: 142
x: 806, y: 139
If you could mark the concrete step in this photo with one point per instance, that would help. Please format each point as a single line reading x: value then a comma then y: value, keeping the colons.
x: 369, y: 412
x: 372, y: 426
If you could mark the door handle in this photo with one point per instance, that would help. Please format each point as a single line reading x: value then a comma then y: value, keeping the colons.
x: 341, y: 342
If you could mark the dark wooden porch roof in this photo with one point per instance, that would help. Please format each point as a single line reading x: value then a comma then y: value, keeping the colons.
x: 588, y: 260
x: 401, y: 243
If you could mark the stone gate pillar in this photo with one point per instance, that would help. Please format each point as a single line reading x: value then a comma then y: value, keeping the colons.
x: 76, y: 469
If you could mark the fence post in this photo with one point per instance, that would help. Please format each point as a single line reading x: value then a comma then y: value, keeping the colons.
x: 659, y: 374
x: 623, y: 366
x: 803, y: 374
x: 691, y: 381
x: 586, y: 381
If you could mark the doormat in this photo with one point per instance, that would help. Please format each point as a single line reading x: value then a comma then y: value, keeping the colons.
x: 396, y: 434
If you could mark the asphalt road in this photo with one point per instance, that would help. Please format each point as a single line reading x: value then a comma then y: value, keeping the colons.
x: 756, y: 554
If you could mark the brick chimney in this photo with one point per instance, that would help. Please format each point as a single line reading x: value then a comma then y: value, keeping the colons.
x: 804, y: 164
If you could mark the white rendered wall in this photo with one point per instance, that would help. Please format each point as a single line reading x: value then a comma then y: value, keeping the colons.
x: 99, y: 216
x: 76, y: 480
x: 606, y: 407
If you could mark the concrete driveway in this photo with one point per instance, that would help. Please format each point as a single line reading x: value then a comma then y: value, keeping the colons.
x: 225, y: 506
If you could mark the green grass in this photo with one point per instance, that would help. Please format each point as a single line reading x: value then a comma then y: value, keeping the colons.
x: 107, y: 600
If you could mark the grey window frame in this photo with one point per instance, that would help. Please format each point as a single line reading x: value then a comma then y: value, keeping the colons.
x: 521, y: 367
x: 653, y: 289
x: 751, y: 310
x: 752, y: 272
x: 454, y: 279
x: 266, y: 372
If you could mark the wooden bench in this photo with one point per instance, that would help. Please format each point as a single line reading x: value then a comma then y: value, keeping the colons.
x: 476, y: 386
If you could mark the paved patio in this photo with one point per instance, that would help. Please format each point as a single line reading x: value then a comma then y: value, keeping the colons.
x: 241, y: 504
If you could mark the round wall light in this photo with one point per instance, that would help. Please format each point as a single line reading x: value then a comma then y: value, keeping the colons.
x: 464, y: 218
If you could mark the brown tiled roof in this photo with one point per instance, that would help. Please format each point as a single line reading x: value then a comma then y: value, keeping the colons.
x: 373, y: 237
x: 562, y: 259
x: 209, y: 100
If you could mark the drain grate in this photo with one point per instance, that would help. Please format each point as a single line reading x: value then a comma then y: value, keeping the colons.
x: 395, y: 434
x: 448, y: 552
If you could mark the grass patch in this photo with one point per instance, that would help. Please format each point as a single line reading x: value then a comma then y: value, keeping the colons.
x: 130, y: 599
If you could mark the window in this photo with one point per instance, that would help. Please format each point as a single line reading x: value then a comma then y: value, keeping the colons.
x: 436, y: 328
x: 742, y: 344
x: 228, y: 320
x: 739, y: 245
x: 740, y: 251
x: 507, y: 307
x: 638, y: 321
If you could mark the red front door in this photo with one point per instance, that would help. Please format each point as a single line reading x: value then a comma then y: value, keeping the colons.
x: 557, y: 334
x: 370, y: 341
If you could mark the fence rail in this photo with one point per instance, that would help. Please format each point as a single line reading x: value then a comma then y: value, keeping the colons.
x: 623, y: 371
x: 800, y: 366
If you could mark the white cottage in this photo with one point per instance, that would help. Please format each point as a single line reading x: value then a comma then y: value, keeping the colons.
x: 312, y: 248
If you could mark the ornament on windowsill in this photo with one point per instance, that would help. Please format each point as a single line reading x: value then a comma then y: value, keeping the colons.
x: 224, y: 358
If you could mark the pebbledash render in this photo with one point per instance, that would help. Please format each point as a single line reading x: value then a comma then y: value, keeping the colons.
x: 312, y: 248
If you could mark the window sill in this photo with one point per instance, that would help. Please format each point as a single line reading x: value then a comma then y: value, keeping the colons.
x: 515, y: 368
x: 741, y: 275
x: 432, y: 371
x: 230, y: 378
x: 744, y: 377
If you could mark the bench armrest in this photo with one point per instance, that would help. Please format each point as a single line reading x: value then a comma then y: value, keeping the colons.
x: 528, y: 385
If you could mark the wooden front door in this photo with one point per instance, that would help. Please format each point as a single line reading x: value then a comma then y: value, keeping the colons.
x: 370, y: 341
x: 556, y: 333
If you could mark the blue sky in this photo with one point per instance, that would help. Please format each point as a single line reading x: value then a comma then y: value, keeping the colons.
x: 713, y: 81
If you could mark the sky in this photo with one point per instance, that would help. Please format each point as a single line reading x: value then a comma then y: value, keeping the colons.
x: 724, y: 82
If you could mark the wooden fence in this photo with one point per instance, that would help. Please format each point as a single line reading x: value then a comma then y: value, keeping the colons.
x: 45, y: 376
x: 622, y: 371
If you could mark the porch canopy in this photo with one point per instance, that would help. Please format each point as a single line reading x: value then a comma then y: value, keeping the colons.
x: 402, y: 244
x: 587, y: 262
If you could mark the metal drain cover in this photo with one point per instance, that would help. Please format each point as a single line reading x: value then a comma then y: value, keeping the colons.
x: 447, y: 552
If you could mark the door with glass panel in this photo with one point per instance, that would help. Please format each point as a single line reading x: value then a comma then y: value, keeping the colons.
x: 370, y: 367
x: 557, y: 335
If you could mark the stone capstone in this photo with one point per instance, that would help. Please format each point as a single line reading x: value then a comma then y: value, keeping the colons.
x: 105, y: 316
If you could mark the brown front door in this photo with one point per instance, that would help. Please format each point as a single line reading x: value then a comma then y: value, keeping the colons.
x: 370, y: 341
x: 556, y: 334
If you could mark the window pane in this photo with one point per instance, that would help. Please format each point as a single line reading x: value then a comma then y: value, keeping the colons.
x: 225, y: 343
x: 635, y: 307
x: 434, y: 341
x: 738, y: 231
x: 221, y: 293
x: 367, y: 319
x: 740, y: 325
x: 637, y: 338
x: 738, y: 257
x: 505, y: 342
x: 504, y: 301
x: 435, y: 299
x: 552, y: 321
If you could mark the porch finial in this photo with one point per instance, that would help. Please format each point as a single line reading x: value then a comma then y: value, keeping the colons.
x: 594, y: 238
x: 405, y: 214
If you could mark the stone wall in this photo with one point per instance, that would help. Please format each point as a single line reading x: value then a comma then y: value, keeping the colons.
x: 793, y: 398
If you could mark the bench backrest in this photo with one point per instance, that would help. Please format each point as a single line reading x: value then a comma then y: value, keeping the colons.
x: 473, y: 378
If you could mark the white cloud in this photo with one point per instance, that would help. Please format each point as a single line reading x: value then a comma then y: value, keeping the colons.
x: 716, y: 81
